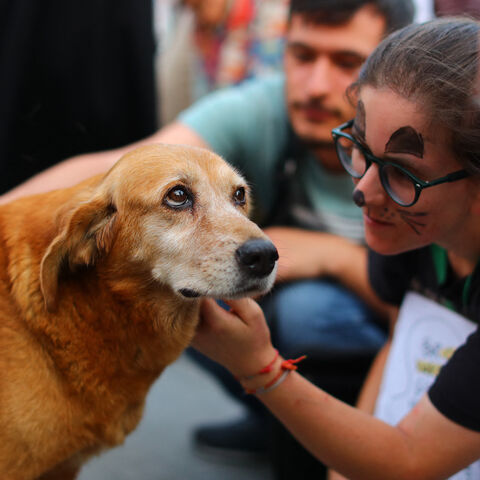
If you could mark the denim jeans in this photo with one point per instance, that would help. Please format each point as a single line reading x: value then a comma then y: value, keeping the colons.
x: 321, y: 315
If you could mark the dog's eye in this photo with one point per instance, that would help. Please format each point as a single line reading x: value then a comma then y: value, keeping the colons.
x: 239, y: 196
x: 178, y: 197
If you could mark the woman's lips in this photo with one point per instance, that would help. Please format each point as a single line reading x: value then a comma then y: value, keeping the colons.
x: 375, y: 222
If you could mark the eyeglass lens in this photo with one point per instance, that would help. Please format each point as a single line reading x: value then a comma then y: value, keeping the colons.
x: 396, y: 182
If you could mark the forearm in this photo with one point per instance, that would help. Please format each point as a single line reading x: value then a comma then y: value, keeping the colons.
x: 369, y: 393
x: 350, y: 268
x: 371, y: 387
x: 359, y: 446
x: 346, y: 439
x: 63, y: 175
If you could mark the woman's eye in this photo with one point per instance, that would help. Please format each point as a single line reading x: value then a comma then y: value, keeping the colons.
x: 178, y: 197
x: 239, y: 196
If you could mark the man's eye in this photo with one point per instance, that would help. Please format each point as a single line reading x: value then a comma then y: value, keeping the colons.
x: 239, y: 196
x: 304, y: 57
x: 301, y: 55
x: 178, y: 197
x: 348, y: 62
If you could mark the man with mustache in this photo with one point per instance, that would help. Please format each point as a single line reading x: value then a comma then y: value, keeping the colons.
x: 277, y: 131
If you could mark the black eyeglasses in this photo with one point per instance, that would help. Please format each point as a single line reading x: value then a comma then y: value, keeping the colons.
x: 402, y: 186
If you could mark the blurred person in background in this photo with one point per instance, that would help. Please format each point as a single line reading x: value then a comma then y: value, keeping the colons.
x: 212, y: 44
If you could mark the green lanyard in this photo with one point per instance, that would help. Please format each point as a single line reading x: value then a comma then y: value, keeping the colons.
x: 440, y: 260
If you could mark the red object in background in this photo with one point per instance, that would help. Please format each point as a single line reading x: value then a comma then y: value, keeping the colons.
x: 241, y: 14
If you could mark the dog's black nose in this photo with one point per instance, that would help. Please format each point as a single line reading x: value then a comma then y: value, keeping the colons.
x: 257, y: 257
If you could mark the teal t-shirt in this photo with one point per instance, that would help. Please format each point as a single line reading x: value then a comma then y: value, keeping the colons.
x: 248, y: 126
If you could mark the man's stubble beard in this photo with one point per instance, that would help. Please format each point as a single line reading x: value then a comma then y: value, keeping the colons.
x: 324, y: 152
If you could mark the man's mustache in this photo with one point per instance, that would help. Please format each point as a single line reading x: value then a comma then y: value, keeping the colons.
x: 317, y: 105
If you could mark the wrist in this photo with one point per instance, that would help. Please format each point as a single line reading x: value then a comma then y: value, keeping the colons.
x: 269, y: 377
x: 262, y: 378
x: 260, y: 363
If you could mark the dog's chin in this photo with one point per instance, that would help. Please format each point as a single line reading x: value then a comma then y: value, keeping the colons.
x: 230, y: 294
x: 246, y: 292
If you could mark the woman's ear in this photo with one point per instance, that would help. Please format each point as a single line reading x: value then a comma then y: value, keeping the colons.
x: 87, y: 234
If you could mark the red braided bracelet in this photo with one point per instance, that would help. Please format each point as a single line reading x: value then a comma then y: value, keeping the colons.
x: 266, y: 369
x: 286, y: 367
x: 290, y: 364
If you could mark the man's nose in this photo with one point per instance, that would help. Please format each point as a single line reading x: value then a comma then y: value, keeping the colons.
x: 322, y: 80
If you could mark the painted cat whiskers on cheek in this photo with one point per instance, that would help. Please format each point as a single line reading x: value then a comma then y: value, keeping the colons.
x: 359, y: 200
x: 387, y: 214
x: 412, y: 220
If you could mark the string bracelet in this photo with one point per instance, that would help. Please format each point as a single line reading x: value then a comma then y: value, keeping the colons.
x: 271, y: 385
x: 266, y: 369
x: 286, y: 367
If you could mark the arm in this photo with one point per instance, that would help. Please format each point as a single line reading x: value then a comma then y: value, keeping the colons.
x: 370, y: 390
x: 371, y: 387
x: 352, y: 442
x: 309, y: 254
x: 75, y: 169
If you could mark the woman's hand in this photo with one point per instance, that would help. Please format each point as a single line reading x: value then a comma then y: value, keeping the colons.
x: 238, y: 339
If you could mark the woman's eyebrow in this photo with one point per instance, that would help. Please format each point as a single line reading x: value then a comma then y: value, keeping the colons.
x: 406, y: 140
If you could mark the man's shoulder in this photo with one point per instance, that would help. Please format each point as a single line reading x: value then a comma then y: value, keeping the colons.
x: 272, y: 83
x: 248, y: 120
x: 255, y: 93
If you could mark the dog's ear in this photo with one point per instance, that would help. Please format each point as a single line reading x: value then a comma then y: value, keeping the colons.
x: 87, y: 233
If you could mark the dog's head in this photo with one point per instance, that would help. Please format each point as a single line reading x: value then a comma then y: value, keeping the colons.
x: 178, y: 214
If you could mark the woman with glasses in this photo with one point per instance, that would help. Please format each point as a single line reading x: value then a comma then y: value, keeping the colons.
x: 413, y: 151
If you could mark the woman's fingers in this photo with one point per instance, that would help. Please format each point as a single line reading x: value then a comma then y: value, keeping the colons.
x: 246, y: 309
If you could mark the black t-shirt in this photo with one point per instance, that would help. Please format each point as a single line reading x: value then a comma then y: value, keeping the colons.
x: 456, y: 390
x: 75, y: 77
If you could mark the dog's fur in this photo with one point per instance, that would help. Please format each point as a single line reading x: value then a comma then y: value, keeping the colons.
x: 91, y: 303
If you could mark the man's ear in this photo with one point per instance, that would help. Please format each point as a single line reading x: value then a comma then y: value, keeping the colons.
x: 87, y: 233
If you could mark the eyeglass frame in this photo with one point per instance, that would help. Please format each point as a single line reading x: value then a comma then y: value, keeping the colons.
x: 418, y: 184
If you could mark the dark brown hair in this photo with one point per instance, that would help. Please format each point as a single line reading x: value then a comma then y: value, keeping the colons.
x: 397, y: 13
x: 434, y: 64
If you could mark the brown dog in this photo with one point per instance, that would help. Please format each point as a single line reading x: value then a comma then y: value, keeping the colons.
x: 99, y: 288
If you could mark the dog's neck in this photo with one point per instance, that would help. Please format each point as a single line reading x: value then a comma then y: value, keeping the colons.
x: 139, y: 331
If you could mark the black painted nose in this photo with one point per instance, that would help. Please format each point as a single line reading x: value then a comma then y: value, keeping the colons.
x: 257, y: 257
